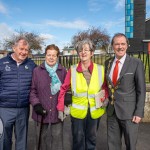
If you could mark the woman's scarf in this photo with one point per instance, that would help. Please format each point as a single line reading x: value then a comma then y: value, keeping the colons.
x: 56, y: 83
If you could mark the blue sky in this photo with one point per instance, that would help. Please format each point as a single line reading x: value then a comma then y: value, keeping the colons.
x: 59, y: 20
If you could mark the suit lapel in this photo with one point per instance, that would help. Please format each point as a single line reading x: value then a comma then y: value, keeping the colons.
x: 125, y: 66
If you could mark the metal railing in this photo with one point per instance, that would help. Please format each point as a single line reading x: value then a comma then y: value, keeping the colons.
x: 69, y: 60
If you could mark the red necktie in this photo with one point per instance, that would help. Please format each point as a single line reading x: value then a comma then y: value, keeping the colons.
x: 115, y: 73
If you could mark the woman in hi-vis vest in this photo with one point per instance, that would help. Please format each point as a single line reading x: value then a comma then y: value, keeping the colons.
x: 89, y: 91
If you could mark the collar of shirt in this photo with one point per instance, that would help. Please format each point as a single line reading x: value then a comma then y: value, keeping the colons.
x: 15, y: 60
x: 122, y: 60
x: 90, y: 68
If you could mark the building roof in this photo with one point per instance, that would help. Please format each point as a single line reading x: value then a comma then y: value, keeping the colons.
x: 68, y: 49
x: 38, y: 55
x: 147, y: 19
x: 3, y: 51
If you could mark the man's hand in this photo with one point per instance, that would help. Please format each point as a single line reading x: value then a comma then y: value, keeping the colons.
x: 136, y: 119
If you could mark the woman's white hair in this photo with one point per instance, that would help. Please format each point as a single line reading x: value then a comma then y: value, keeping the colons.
x: 79, y: 45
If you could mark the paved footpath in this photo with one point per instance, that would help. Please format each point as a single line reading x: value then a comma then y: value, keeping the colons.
x: 143, y: 139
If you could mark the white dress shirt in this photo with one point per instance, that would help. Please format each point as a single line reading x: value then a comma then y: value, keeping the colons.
x: 120, y: 64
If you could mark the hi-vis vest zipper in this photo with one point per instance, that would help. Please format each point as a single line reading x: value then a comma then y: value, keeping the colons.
x: 83, y: 96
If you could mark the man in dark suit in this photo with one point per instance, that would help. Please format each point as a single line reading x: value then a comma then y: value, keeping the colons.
x: 126, y: 83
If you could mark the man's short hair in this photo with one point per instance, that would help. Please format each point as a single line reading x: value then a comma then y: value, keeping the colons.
x: 119, y: 35
x: 21, y: 38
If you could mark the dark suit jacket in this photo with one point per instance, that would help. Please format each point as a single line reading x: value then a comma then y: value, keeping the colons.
x: 130, y: 90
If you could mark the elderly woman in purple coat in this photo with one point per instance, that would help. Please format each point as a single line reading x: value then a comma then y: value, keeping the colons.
x: 46, y: 81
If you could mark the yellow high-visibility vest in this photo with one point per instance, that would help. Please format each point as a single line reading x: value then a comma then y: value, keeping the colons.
x: 83, y: 96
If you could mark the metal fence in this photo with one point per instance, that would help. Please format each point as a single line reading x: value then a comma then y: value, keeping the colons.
x: 69, y: 60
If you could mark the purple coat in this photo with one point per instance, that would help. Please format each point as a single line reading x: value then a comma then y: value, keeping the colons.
x: 41, y: 93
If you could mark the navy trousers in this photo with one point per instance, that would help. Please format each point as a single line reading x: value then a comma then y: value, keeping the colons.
x: 84, y: 132
x: 14, y: 119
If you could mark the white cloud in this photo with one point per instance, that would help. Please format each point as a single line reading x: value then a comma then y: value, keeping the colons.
x: 29, y: 24
x: 62, y: 44
x: 43, y: 29
x: 148, y: 14
x: 115, y: 26
x: 95, y: 5
x: 5, y: 31
x: 3, y: 9
x: 47, y: 36
x: 32, y: 26
x: 53, y: 40
x: 77, y: 24
x: 50, y: 39
x: 110, y: 24
x: 119, y: 4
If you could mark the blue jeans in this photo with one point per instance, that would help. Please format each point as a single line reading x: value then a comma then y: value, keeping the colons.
x: 84, y: 132
x: 17, y: 119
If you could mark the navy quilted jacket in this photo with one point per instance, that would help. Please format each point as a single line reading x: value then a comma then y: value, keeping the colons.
x: 15, y: 82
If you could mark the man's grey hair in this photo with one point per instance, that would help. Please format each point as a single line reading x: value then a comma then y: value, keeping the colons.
x: 21, y: 38
x: 79, y: 45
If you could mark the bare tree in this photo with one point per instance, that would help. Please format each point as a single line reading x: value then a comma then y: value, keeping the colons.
x: 33, y: 38
x: 99, y: 37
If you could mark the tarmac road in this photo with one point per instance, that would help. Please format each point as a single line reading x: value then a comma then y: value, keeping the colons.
x: 143, y: 138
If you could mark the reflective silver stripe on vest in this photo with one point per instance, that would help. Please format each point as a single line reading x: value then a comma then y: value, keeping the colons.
x: 73, y: 76
x: 81, y: 94
x: 93, y: 108
x: 84, y: 95
x: 100, y: 74
x: 79, y: 106
x: 91, y: 96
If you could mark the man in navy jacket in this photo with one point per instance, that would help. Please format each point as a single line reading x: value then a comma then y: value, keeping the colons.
x: 15, y: 81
